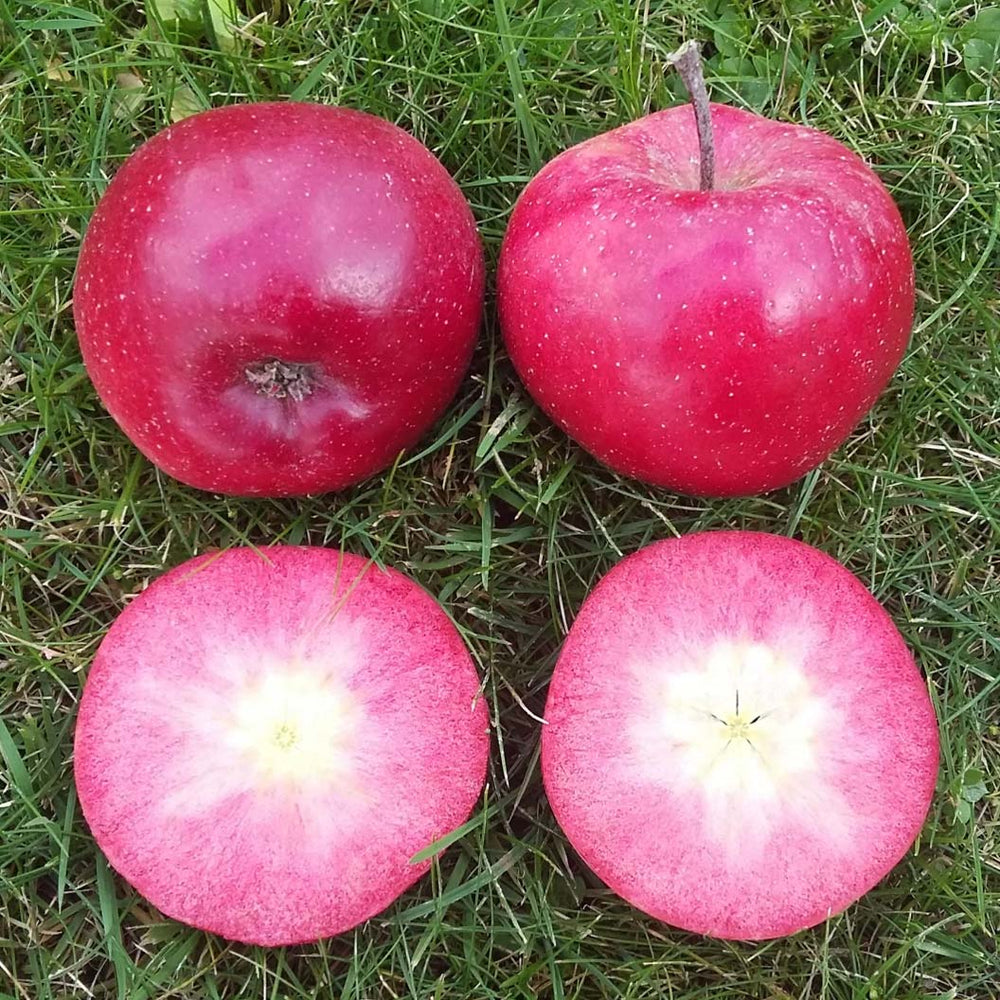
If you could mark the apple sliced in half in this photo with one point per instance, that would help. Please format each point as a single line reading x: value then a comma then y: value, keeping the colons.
x: 738, y: 740
x: 266, y: 738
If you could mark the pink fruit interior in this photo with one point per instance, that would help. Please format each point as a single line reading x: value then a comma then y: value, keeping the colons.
x: 265, y: 740
x: 738, y: 739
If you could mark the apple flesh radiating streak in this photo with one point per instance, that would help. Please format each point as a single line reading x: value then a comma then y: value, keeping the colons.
x: 266, y: 738
x: 277, y: 299
x: 738, y: 740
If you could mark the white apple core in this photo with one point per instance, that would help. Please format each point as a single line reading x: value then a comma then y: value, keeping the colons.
x: 742, y: 726
x: 287, y: 725
x: 294, y: 727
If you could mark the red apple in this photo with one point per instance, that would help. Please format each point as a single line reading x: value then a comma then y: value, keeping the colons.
x: 267, y: 738
x: 276, y: 299
x: 717, y: 342
x: 738, y: 740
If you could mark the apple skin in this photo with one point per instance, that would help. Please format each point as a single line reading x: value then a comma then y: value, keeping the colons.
x: 718, y: 343
x: 312, y: 235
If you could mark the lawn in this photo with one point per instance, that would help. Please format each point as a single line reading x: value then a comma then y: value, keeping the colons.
x: 497, y: 513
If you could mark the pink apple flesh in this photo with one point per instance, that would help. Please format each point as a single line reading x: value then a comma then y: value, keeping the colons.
x: 267, y: 738
x: 738, y: 740
x: 717, y: 342
x: 277, y: 299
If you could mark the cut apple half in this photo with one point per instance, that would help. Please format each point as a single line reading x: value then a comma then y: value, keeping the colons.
x: 738, y: 740
x: 266, y: 738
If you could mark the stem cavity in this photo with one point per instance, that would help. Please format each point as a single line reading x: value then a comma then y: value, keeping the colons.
x: 281, y: 379
x: 687, y: 61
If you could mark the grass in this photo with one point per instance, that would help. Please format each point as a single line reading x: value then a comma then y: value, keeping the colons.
x: 499, y: 515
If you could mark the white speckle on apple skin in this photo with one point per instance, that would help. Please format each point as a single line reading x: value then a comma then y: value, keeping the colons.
x: 811, y: 314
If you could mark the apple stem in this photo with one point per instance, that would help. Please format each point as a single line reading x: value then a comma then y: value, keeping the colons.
x: 687, y: 61
x: 280, y: 379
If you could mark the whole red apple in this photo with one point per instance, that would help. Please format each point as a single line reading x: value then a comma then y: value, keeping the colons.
x: 717, y: 342
x: 738, y: 740
x: 276, y: 299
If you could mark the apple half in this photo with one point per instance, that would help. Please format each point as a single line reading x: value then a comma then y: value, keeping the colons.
x: 738, y: 740
x: 266, y: 739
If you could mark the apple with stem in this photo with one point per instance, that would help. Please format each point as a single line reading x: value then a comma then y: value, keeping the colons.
x: 277, y: 299
x: 706, y: 301
x: 737, y: 739
x: 267, y: 738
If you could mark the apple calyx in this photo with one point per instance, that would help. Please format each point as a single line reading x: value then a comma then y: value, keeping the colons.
x: 687, y: 61
x: 277, y: 379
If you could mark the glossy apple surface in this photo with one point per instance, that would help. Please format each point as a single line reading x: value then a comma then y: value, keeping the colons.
x: 717, y: 342
x: 738, y: 740
x: 276, y: 299
x: 266, y: 739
